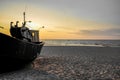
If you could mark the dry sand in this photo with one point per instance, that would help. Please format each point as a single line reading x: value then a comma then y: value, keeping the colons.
x: 71, y: 63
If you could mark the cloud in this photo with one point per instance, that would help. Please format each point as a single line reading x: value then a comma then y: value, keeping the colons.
x: 107, y: 32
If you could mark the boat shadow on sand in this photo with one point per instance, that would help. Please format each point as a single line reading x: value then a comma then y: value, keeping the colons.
x: 18, y: 72
x: 6, y: 66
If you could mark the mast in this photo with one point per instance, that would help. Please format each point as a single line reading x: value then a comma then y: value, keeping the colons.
x: 24, y: 22
x: 24, y: 16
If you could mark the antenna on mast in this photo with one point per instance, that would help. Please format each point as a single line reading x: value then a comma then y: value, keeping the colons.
x: 24, y: 17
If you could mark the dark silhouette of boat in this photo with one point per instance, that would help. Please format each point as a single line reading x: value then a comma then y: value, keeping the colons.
x: 23, y: 46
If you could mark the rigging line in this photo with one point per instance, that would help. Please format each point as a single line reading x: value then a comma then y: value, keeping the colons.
x: 4, y: 29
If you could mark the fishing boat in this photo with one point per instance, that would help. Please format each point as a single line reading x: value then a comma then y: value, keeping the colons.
x: 22, y: 47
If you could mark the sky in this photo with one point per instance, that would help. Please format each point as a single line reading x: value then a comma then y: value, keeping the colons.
x: 65, y: 19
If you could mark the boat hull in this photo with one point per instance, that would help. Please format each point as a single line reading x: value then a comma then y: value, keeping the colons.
x: 18, y: 51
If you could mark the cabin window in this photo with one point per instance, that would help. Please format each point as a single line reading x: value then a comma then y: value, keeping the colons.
x: 33, y: 34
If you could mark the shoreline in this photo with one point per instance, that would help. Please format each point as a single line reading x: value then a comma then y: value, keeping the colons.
x: 79, y: 50
x: 74, y: 42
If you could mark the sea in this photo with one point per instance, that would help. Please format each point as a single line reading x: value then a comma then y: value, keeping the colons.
x: 74, y: 42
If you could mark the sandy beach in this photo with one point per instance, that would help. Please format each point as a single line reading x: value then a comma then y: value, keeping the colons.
x: 71, y: 63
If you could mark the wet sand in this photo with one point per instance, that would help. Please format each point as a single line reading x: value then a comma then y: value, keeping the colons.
x: 71, y: 63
